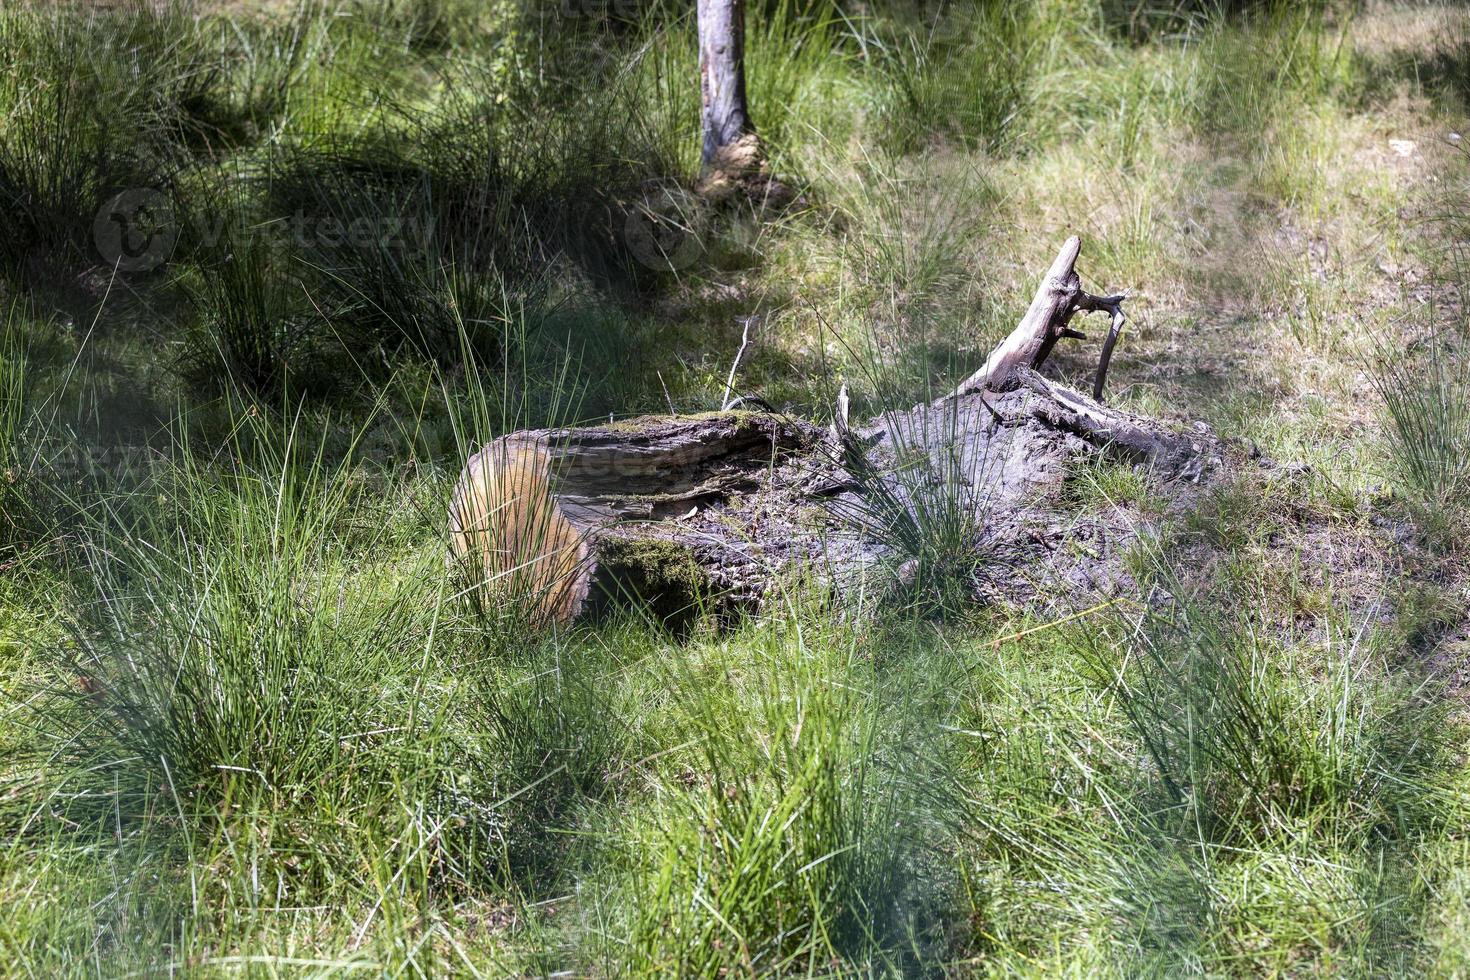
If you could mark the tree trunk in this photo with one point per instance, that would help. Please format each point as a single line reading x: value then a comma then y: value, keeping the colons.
x: 722, y: 507
x: 730, y: 142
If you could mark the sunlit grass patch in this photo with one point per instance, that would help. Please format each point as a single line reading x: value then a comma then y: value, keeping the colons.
x: 1307, y: 856
x: 1426, y: 408
x: 791, y: 828
x: 260, y: 702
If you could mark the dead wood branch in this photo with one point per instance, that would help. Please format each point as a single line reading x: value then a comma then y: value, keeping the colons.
x: 1059, y: 297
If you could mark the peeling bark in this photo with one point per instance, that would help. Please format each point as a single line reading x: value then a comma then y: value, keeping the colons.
x: 729, y: 142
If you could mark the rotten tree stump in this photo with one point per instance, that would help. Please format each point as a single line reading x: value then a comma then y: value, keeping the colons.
x: 669, y: 510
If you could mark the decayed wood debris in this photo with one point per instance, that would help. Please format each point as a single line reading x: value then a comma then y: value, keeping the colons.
x: 722, y: 506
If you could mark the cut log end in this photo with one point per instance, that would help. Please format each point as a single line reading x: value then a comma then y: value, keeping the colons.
x: 510, y: 536
x: 555, y: 521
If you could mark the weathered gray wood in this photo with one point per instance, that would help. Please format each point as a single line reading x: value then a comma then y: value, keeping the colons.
x: 1113, y: 306
x: 551, y: 517
x: 729, y: 503
x: 654, y: 468
x: 1059, y: 297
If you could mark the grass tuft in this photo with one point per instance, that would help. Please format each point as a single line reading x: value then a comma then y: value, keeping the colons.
x: 791, y: 824
x: 1425, y: 401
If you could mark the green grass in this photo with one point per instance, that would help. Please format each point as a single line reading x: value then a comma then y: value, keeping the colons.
x: 1274, y: 793
x: 13, y: 421
x: 793, y: 820
x: 1426, y: 408
x: 252, y: 723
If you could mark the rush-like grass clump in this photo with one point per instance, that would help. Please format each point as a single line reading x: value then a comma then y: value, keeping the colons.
x: 1426, y: 407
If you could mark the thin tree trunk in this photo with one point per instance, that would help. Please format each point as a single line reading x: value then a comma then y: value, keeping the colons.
x: 730, y: 142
